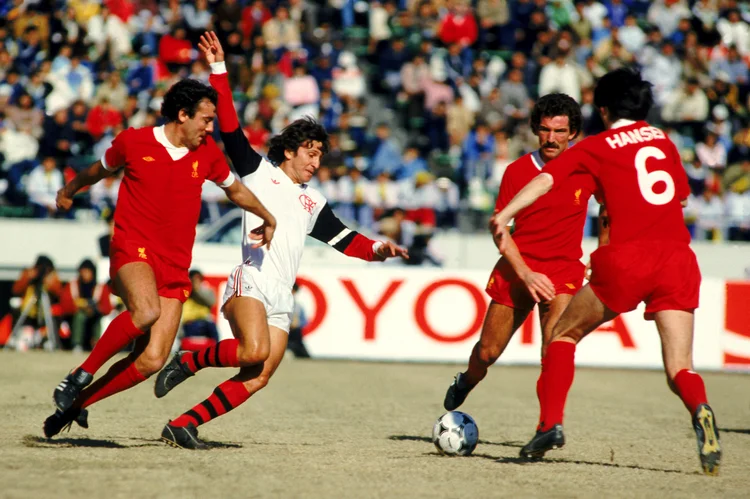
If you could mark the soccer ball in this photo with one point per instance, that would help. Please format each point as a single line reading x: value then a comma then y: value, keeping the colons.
x: 455, y: 434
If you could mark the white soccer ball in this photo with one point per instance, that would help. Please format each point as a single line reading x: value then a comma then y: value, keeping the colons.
x: 455, y: 434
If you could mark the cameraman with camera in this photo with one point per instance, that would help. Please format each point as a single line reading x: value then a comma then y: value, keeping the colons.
x: 37, y: 286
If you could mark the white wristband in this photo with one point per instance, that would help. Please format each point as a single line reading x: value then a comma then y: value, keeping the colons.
x: 376, y: 246
x: 218, y: 68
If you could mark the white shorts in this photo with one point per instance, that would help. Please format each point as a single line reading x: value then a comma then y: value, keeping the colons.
x: 275, y: 296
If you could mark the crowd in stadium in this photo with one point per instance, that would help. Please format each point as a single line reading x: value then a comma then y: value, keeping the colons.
x: 427, y: 101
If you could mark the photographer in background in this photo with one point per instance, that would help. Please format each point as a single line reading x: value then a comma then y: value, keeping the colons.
x: 37, y: 286
x: 84, y: 303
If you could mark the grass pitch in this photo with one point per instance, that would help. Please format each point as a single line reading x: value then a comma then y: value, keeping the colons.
x: 354, y: 430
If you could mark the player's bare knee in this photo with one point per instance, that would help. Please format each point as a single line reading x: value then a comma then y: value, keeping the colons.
x: 261, y: 381
x: 253, y: 354
x: 151, y: 361
x: 488, y: 354
x: 145, y: 315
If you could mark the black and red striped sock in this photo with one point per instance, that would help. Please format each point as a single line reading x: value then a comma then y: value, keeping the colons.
x: 222, y: 354
x: 225, y: 397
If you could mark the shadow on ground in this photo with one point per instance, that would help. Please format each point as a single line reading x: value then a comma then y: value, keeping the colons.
x: 744, y: 431
x: 130, y: 442
x: 414, y: 438
x: 522, y: 461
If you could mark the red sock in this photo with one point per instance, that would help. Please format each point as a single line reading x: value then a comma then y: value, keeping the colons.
x: 226, y: 396
x: 120, y: 332
x: 691, y: 389
x: 558, y: 369
x: 540, y: 398
x: 222, y: 354
x: 121, y: 376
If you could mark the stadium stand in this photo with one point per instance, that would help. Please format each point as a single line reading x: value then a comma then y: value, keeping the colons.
x: 427, y: 99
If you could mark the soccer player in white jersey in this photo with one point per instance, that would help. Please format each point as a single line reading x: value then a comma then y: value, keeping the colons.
x: 258, y: 299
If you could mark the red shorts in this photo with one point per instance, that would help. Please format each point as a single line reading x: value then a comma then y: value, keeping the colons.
x: 663, y: 274
x: 506, y: 288
x: 171, y: 281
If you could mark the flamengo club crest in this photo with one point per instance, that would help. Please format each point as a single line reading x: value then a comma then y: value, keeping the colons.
x: 307, y: 203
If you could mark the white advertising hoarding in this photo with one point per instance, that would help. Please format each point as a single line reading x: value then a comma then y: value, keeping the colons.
x: 434, y: 315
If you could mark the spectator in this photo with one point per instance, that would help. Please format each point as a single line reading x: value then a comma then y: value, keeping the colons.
x: 42, y: 185
x: 738, y: 211
x: 459, y: 25
x: 561, y: 76
x: 496, y: 31
x: 38, y: 286
x: 25, y: 117
x: 84, y: 302
x: 460, y: 120
x: 102, y: 118
x: 197, y: 317
x: 254, y: 16
x: 175, y: 50
x: 197, y: 19
x: 354, y: 198
x: 666, y: 15
x: 299, y: 321
x: 710, y: 212
x: 109, y: 33
x: 114, y: 91
x: 281, y: 32
x: 57, y: 136
x: 735, y: 31
x: 688, y: 105
x: 711, y: 153
x: 631, y: 35
x: 386, y: 153
x: 731, y: 67
x: 103, y: 195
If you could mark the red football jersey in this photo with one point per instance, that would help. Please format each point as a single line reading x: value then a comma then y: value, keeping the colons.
x: 160, y: 196
x: 551, y: 228
x: 639, y: 173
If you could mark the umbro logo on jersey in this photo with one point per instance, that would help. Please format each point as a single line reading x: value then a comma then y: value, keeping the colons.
x: 275, y: 181
x: 148, y: 159
x: 307, y: 203
x: 142, y: 253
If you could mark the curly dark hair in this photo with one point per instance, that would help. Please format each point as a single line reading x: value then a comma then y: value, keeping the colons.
x: 300, y: 133
x: 624, y: 94
x: 552, y: 105
x: 186, y: 94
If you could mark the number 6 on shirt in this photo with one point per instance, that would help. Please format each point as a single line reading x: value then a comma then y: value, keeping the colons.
x: 647, y: 180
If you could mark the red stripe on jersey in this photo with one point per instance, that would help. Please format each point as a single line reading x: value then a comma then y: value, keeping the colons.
x: 361, y: 247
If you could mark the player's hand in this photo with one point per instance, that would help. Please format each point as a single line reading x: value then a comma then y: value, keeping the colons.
x: 64, y: 201
x: 211, y: 47
x: 539, y: 286
x: 389, y: 250
x: 497, y: 224
x: 501, y: 240
x: 587, y: 271
x: 263, y: 233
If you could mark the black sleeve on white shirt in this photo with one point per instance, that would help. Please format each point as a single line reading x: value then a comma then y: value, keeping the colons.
x: 244, y: 158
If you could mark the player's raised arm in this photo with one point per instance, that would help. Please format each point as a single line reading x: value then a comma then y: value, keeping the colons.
x: 332, y: 231
x: 244, y: 158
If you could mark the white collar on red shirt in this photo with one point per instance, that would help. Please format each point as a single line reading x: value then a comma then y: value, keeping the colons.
x: 621, y: 123
x: 174, y: 152
x: 537, y: 159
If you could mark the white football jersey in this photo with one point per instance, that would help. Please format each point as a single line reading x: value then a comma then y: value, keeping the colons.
x: 295, y: 207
